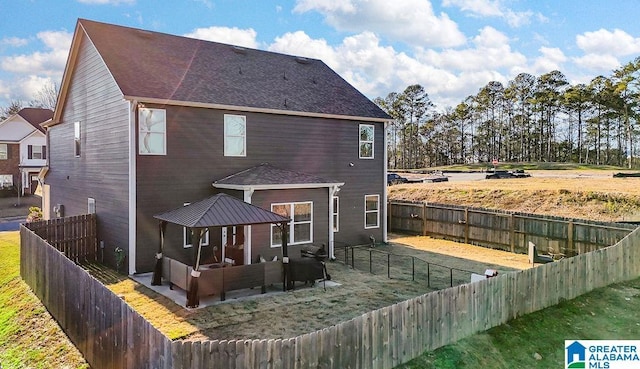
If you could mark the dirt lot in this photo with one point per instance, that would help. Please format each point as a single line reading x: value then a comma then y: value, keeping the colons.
x: 280, y: 315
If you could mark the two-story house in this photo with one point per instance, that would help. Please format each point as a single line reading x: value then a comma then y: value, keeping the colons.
x: 23, y: 150
x: 147, y: 122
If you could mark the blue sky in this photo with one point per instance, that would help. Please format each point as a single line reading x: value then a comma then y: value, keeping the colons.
x: 451, y: 47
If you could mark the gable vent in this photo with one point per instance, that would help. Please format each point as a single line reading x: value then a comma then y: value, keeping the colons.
x: 239, y: 50
x: 302, y: 60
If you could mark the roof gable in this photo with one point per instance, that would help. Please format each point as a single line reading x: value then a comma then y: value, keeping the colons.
x: 23, y: 124
x: 162, y: 67
x: 36, y: 116
x: 268, y: 176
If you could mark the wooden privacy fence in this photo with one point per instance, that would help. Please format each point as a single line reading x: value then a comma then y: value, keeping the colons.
x: 75, y: 236
x: 510, y: 231
x: 108, y: 332
x: 111, y: 335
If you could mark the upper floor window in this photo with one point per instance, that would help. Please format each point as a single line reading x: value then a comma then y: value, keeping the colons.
x: 366, y: 141
x: 235, y: 135
x: 76, y: 139
x: 371, y: 211
x: 36, y: 152
x: 91, y: 205
x: 4, y: 151
x: 153, y: 131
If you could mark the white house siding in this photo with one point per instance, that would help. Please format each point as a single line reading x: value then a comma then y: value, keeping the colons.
x: 101, y: 172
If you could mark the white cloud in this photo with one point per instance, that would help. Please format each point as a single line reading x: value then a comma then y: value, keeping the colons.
x: 550, y: 59
x: 602, y: 41
x: 410, y: 21
x: 50, y: 62
x: 597, y: 63
x: 233, y: 36
x: 109, y: 2
x: 495, y: 8
x: 14, y: 41
x: 206, y: 3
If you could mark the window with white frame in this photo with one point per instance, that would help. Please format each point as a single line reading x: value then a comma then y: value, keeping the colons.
x: 36, y: 152
x: 91, y: 205
x: 235, y: 135
x: 76, y: 139
x: 6, y: 180
x: 371, y: 211
x: 336, y: 211
x: 152, y: 125
x: 300, y: 228
x: 365, y: 142
x: 187, y: 236
x: 4, y: 151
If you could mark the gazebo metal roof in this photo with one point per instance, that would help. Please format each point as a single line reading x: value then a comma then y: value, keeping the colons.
x: 220, y: 210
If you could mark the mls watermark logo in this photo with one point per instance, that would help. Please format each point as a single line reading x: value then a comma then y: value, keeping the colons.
x: 602, y: 354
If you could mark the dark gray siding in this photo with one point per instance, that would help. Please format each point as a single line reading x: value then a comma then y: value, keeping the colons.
x: 323, y: 147
x: 102, y: 170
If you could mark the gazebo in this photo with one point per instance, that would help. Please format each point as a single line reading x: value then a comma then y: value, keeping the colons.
x: 221, y: 210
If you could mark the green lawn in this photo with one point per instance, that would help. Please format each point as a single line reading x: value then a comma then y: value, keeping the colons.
x: 29, y: 337
x: 607, y: 313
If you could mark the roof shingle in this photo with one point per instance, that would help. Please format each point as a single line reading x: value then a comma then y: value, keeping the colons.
x: 161, y: 66
x: 266, y: 174
x: 35, y: 116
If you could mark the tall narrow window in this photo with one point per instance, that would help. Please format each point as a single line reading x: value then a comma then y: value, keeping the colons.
x: 371, y: 211
x: 91, y: 205
x: 76, y: 138
x: 153, y: 131
x: 235, y: 135
x: 300, y: 227
x: 4, y: 151
x: 336, y: 211
x: 366, y: 141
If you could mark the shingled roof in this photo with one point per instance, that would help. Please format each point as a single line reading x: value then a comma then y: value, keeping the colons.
x: 268, y: 176
x: 35, y: 116
x: 157, y: 67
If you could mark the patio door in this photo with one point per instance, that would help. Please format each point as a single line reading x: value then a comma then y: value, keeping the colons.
x: 233, y: 244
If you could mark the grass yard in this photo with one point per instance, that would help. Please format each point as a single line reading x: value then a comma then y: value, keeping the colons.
x: 29, y: 337
x: 537, y: 340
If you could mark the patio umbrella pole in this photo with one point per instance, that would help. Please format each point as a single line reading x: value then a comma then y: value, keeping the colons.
x: 193, y: 300
x: 157, y: 271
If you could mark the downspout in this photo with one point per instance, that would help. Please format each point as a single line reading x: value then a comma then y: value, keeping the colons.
x: 333, y: 190
x: 247, y: 235
x: 133, y: 108
x: 384, y: 181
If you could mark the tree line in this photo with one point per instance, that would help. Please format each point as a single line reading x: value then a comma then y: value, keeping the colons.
x: 544, y: 119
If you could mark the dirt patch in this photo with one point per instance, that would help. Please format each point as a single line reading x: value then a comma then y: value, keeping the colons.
x: 580, y: 194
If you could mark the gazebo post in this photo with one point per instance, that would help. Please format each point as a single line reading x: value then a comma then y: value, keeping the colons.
x: 157, y: 271
x: 285, y: 256
x: 193, y: 300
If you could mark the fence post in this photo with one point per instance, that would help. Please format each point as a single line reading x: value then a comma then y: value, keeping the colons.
x: 466, y: 225
x: 428, y: 276
x: 424, y: 219
x: 512, y: 234
x: 370, y: 268
x: 451, y: 277
x: 389, y: 266
x: 570, y: 245
x: 413, y: 268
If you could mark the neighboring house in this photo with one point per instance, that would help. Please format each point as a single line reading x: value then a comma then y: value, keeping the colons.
x: 147, y: 122
x: 23, y: 149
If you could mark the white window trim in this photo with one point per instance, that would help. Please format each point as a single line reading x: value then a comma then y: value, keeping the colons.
x: 36, y: 149
x: 141, y: 131
x: 5, y: 152
x: 377, y: 211
x: 336, y: 213
x: 91, y: 205
x: 203, y: 242
x: 360, y: 141
x: 77, y: 139
x: 292, y: 224
x: 244, y: 137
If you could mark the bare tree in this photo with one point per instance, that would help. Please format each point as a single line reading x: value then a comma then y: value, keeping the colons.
x: 14, y: 107
x: 46, y: 97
